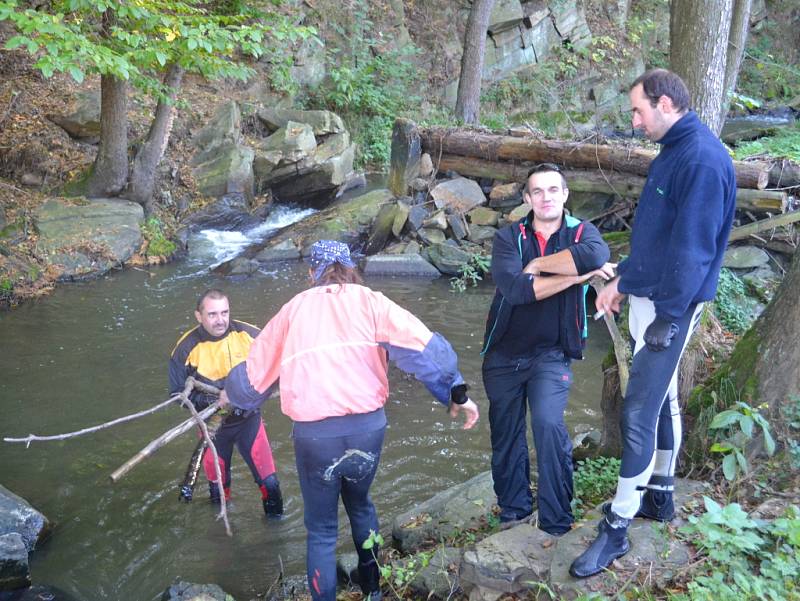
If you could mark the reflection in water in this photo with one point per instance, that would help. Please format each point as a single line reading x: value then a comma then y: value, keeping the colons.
x: 94, y: 351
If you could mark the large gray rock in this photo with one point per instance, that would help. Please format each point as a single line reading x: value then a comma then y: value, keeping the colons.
x: 505, y: 195
x: 404, y: 163
x: 511, y: 560
x: 321, y: 122
x: 294, y: 141
x: 229, y: 170
x: 505, y: 15
x: 459, y: 194
x: 187, y: 591
x: 440, y: 578
x: 483, y: 216
x: 457, y: 509
x: 478, y: 234
x: 381, y: 229
x: 313, y: 184
x: 447, y: 258
x: 570, y: 22
x: 231, y: 212
x: 17, y: 515
x: 224, y: 130
x: 284, y: 251
x: 84, y: 121
x: 308, y: 64
x: 399, y: 265
x: 745, y: 257
x: 14, y: 570
x: 90, y: 237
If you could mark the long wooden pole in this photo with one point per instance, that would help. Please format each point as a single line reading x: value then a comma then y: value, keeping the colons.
x: 438, y: 141
x: 606, y: 182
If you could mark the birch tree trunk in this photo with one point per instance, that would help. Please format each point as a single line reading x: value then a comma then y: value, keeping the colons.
x: 468, y: 101
x: 143, y: 174
x: 740, y: 27
x: 699, y: 34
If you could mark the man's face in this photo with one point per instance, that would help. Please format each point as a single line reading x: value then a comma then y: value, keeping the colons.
x: 214, y: 316
x: 652, y: 120
x: 546, y: 195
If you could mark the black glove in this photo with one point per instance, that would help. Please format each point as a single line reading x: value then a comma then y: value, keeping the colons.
x: 659, y: 334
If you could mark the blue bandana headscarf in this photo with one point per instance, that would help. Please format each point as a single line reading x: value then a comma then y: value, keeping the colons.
x: 325, y: 253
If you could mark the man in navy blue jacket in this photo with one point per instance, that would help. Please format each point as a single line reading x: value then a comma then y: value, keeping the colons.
x: 536, y: 326
x: 679, y: 237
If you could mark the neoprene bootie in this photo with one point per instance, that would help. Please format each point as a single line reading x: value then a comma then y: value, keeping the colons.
x: 213, y: 492
x: 271, y: 496
x: 610, y: 544
x: 657, y: 505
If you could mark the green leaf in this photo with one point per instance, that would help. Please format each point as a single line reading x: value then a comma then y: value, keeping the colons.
x: 76, y: 73
x: 741, y: 460
x: 746, y: 423
x: 16, y: 42
x: 729, y: 467
x: 724, y: 418
x: 769, y: 442
x: 192, y: 44
x: 161, y: 58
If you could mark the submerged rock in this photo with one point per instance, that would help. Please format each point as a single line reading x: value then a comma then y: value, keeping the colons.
x: 186, y: 591
x: 19, y: 516
x: 14, y: 570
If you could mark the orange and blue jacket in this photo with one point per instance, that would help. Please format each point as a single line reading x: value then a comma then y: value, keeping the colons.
x: 330, y: 346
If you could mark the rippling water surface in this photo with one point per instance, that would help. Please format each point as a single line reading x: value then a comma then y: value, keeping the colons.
x: 98, y: 350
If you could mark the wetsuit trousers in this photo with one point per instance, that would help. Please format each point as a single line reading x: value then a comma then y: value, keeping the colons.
x: 250, y: 437
x: 541, y: 384
x: 651, y: 420
x: 328, y: 468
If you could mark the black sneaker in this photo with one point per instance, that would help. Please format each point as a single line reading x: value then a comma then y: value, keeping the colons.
x: 610, y: 544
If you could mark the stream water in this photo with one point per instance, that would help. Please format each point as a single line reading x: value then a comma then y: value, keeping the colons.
x: 94, y: 351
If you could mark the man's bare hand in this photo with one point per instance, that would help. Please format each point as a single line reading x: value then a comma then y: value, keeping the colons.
x: 470, y: 410
x: 609, y: 298
x: 532, y: 268
x: 605, y: 272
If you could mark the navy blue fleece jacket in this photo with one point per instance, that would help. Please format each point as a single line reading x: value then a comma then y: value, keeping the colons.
x: 682, y: 222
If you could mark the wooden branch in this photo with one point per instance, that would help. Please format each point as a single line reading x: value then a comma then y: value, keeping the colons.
x: 612, y: 182
x: 171, y: 434
x: 744, y: 231
x: 621, y: 347
x: 223, y: 509
x: 31, y: 437
x: 628, y: 159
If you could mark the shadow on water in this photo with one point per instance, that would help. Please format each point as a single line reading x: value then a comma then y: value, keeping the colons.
x: 97, y: 350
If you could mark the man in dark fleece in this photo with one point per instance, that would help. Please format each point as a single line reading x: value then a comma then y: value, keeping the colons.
x: 536, y: 327
x: 679, y: 237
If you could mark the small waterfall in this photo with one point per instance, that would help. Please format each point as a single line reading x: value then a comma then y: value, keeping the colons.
x: 212, y: 247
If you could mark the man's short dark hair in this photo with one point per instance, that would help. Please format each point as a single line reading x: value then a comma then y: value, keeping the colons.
x: 214, y: 293
x: 660, y: 82
x: 546, y: 168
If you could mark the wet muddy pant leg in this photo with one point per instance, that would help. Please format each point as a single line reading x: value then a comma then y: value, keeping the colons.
x: 651, y: 376
x: 254, y: 447
x: 357, y: 476
x: 224, y: 440
x: 505, y: 382
x: 323, y: 466
x: 548, y: 392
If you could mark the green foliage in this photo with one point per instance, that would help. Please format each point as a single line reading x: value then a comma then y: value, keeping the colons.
x: 594, y: 480
x: 6, y: 287
x: 731, y: 303
x: 791, y: 414
x: 138, y: 41
x: 471, y: 272
x: 745, y: 558
x: 784, y: 144
x: 736, y: 427
x: 765, y: 72
x: 159, y: 245
x: 398, y: 575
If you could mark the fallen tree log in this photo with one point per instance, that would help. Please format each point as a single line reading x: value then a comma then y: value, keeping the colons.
x: 606, y: 182
x: 745, y: 231
x: 438, y: 141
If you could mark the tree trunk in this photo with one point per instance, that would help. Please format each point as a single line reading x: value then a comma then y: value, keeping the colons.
x: 110, y: 169
x: 740, y: 26
x: 699, y: 33
x: 778, y: 354
x: 468, y: 101
x: 438, y: 141
x: 143, y: 174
